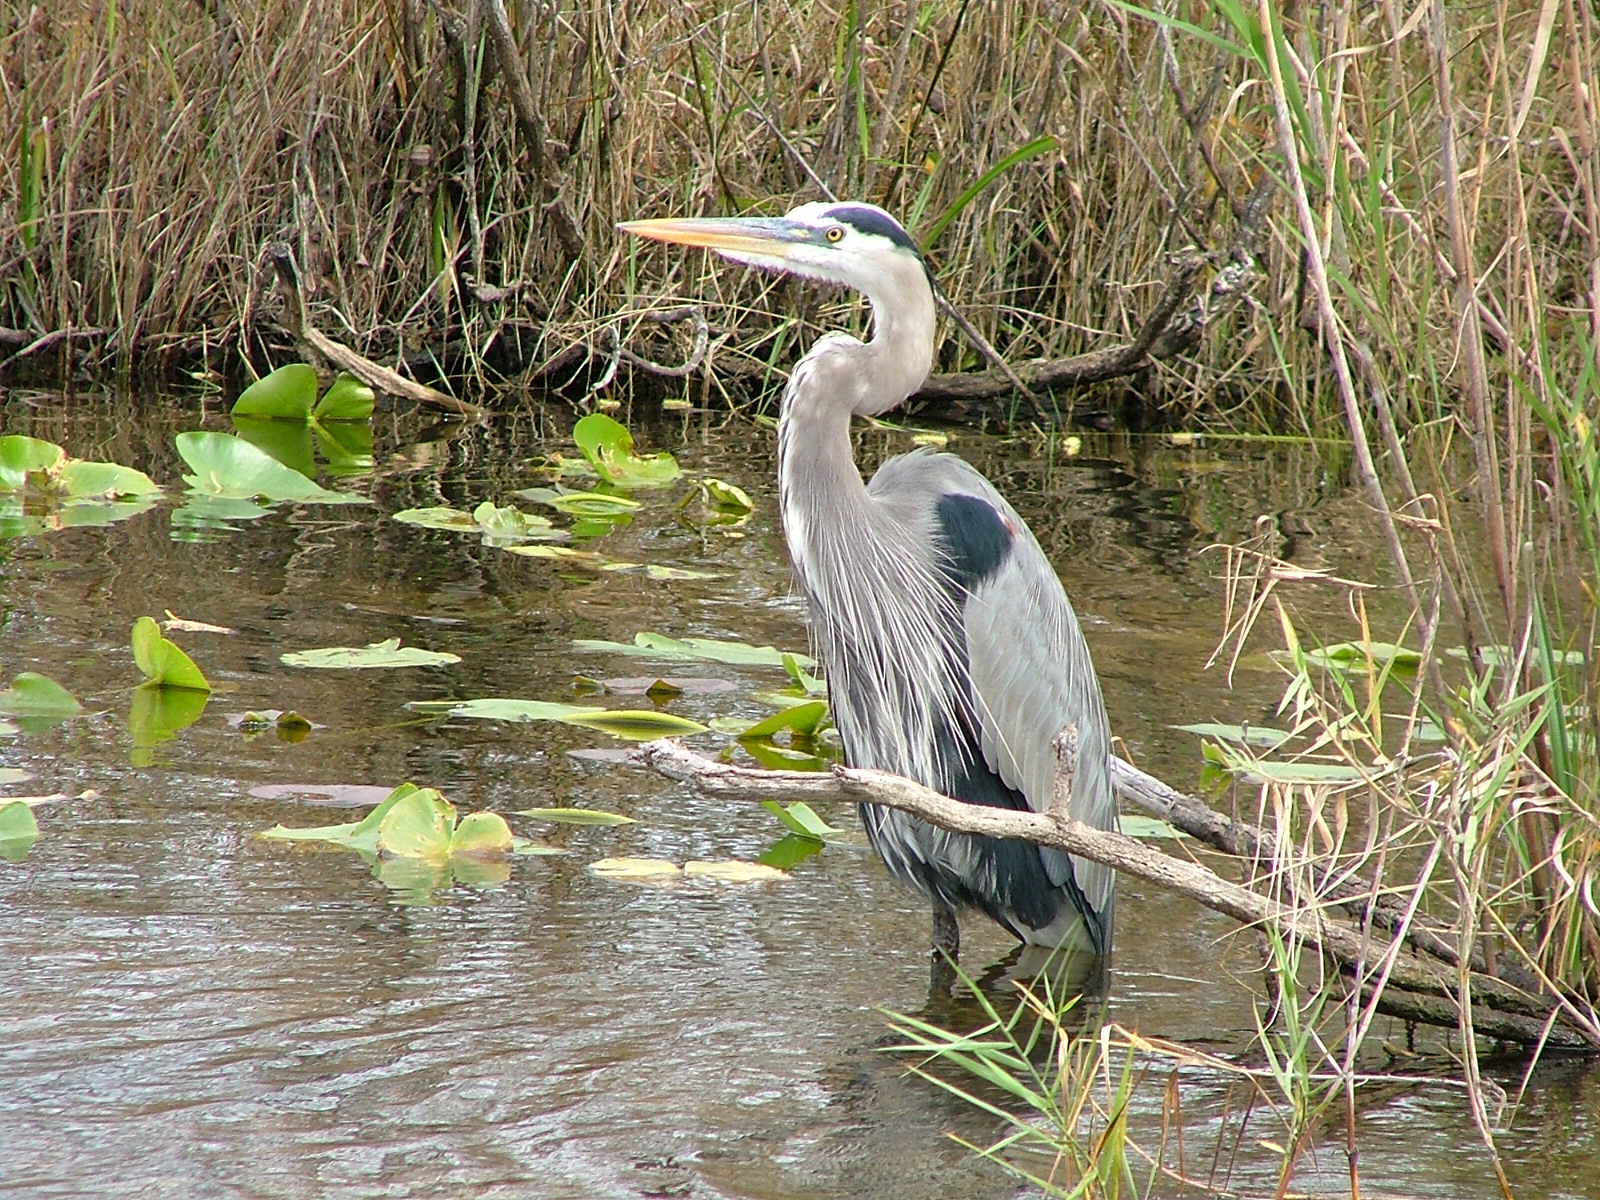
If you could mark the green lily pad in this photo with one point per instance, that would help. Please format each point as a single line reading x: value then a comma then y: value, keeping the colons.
x: 803, y: 720
x: 790, y: 851
x: 575, y: 816
x: 655, y: 645
x: 42, y: 489
x: 157, y: 714
x: 598, y: 562
x: 726, y: 497
x: 22, y: 457
x: 1300, y: 771
x: 1349, y: 654
x: 497, y: 525
x: 419, y: 823
x: 347, y: 399
x: 1137, y: 825
x: 1250, y: 735
x: 290, y: 442
x: 580, y: 504
x: 642, y: 725
x: 286, y: 394
x: 19, y: 829
x: 608, y: 447
x: 35, y: 695
x: 229, y: 466
x: 163, y: 663
x: 800, y: 818
x: 389, y: 653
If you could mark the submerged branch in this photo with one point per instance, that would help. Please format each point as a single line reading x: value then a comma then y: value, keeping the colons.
x: 1417, y: 987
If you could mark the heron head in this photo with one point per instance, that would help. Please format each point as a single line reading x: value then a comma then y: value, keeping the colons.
x: 851, y: 244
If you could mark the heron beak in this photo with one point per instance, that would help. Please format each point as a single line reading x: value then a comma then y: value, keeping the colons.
x: 766, y: 239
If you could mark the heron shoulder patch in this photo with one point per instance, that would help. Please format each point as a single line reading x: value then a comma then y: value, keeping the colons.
x: 977, y: 538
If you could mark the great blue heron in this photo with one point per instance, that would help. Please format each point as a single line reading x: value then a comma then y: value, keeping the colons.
x: 951, y: 652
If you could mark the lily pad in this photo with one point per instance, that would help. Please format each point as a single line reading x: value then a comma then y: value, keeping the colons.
x: 575, y: 816
x: 580, y: 504
x: 157, y: 714
x: 698, y: 649
x: 285, y: 394
x: 499, y: 526
x: 35, y: 695
x: 1251, y: 735
x: 635, y: 868
x: 608, y: 447
x: 598, y: 562
x: 419, y: 823
x: 803, y: 720
x: 800, y: 818
x: 19, y: 829
x: 42, y: 489
x: 347, y: 399
x: 735, y: 870
x: 637, y: 725
x: 163, y: 663
x: 231, y: 467
x: 790, y: 851
x: 1349, y: 654
x: 388, y: 653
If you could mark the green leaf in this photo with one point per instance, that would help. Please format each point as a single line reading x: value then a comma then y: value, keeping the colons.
x: 1252, y: 735
x: 104, y: 481
x: 357, y: 835
x: 655, y: 645
x: 1347, y: 654
x: 229, y: 466
x: 803, y: 719
x: 575, y: 816
x: 642, y: 725
x: 726, y: 497
x: 289, y: 442
x: 347, y: 445
x: 35, y: 695
x: 810, y: 684
x: 19, y: 829
x: 1146, y: 828
x: 580, y: 504
x: 157, y: 714
x: 418, y: 825
x: 497, y: 525
x: 22, y: 456
x: 482, y: 835
x: 286, y: 394
x: 789, y: 851
x: 500, y: 708
x: 608, y: 446
x: 163, y: 663
x: 800, y: 818
x: 1030, y: 150
x: 378, y: 654
x: 347, y: 399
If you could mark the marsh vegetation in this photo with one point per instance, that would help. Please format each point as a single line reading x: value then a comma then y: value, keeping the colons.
x: 1370, y: 229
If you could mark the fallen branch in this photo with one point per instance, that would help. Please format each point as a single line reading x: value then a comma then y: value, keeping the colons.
x: 321, y: 350
x: 1500, y: 1010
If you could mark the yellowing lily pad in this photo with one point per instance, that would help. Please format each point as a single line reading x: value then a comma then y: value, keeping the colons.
x: 655, y: 645
x: 388, y: 653
x: 608, y: 447
x: 635, y: 868
x: 575, y: 816
x: 735, y: 871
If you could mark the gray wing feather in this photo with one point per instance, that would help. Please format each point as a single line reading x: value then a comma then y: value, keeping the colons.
x: 1031, y: 672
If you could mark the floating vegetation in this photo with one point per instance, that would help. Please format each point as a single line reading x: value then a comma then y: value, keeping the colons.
x: 640, y: 725
x: 375, y: 655
x: 42, y: 489
x: 164, y: 664
x: 699, y: 649
x: 230, y: 468
x: 499, y: 525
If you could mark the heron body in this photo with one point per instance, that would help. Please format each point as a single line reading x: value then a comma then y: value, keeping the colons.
x: 952, y: 654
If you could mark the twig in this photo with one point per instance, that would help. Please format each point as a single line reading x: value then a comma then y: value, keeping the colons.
x: 1503, y: 1011
x: 317, y: 346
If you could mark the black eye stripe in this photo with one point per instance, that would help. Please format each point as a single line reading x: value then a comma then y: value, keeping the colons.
x: 866, y: 220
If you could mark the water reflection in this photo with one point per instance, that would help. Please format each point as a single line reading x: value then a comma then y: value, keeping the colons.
x: 191, y: 1010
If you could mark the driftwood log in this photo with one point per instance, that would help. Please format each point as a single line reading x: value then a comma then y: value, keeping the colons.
x: 1417, y: 984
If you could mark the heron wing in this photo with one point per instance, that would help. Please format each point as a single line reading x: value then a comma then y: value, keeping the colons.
x: 1027, y: 658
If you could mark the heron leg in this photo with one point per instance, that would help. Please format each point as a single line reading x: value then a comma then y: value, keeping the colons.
x: 946, y: 948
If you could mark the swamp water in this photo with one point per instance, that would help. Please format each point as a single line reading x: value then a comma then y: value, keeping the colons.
x: 188, y: 1009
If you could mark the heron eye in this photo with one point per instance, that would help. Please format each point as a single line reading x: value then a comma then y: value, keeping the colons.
x: 835, y: 233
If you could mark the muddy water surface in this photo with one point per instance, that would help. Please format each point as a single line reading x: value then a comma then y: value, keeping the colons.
x: 187, y: 1009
